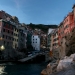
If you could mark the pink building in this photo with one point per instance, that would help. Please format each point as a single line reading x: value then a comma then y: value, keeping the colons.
x: 6, y: 33
x: 68, y: 23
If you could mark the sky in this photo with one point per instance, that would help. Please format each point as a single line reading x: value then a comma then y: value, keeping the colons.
x: 38, y: 11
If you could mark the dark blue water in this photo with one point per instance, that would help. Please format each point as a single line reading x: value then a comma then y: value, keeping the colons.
x: 23, y: 69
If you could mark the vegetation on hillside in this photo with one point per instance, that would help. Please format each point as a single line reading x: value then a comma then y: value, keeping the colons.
x: 42, y: 26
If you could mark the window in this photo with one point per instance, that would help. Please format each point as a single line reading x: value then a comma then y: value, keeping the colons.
x: 36, y: 42
x: 3, y: 36
x: 36, y: 39
x: 4, y: 42
x: 33, y: 42
x: 3, y: 30
x: 33, y: 39
x: 12, y: 33
x: 17, y: 40
x: 16, y: 34
x: 13, y: 39
x: 8, y: 31
x: 10, y: 38
x: 33, y: 36
x: 15, y: 29
x: 6, y: 37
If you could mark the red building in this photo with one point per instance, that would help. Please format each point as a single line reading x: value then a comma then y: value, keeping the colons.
x: 68, y: 23
x: 60, y: 33
x: 6, y: 33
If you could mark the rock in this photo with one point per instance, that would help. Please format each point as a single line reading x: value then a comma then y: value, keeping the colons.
x: 67, y: 71
x: 47, y: 71
x: 51, y: 68
x: 66, y: 62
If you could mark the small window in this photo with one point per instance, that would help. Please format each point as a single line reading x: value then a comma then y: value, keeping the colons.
x: 3, y: 30
x: 3, y: 36
x: 6, y: 37
x: 13, y: 39
x: 16, y: 34
x: 8, y: 31
x: 33, y: 42
x: 4, y: 42
x: 36, y: 39
x: 17, y: 30
x: 12, y: 33
x: 17, y: 40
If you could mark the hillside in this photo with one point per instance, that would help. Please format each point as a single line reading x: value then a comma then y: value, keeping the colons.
x: 42, y: 26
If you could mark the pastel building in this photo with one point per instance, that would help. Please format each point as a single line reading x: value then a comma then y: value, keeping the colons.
x: 49, y: 37
x: 22, y: 35
x: 6, y: 33
x: 68, y: 23
x: 55, y: 39
x: 60, y: 33
x: 36, y: 42
x: 15, y: 37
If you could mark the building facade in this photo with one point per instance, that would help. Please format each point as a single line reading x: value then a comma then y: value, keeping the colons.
x: 43, y: 41
x: 36, y: 42
x: 60, y: 33
x: 15, y: 36
x: 6, y: 32
x: 49, y: 38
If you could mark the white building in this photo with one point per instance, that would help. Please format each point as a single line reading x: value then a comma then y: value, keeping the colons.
x: 49, y: 30
x: 36, y: 42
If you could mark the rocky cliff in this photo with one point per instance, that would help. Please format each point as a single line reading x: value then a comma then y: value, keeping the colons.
x: 65, y: 66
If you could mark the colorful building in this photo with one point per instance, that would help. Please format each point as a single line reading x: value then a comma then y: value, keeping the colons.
x: 36, y: 42
x: 15, y: 36
x: 43, y: 41
x: 68, y: 23
x: 6, y: 33
x: 60, y: 33
x: 49, y: 38
x: 22, y: 36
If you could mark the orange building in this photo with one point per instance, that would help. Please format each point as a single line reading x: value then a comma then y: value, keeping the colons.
x: 60, y: 32
x: 68, y: 23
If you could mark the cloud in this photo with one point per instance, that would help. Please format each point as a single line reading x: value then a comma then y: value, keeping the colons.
x: 19, y: 3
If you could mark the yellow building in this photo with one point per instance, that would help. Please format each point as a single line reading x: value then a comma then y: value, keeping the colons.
x: 15, y: 37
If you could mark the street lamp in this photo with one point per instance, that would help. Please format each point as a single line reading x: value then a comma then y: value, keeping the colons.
x: 2, y: 48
